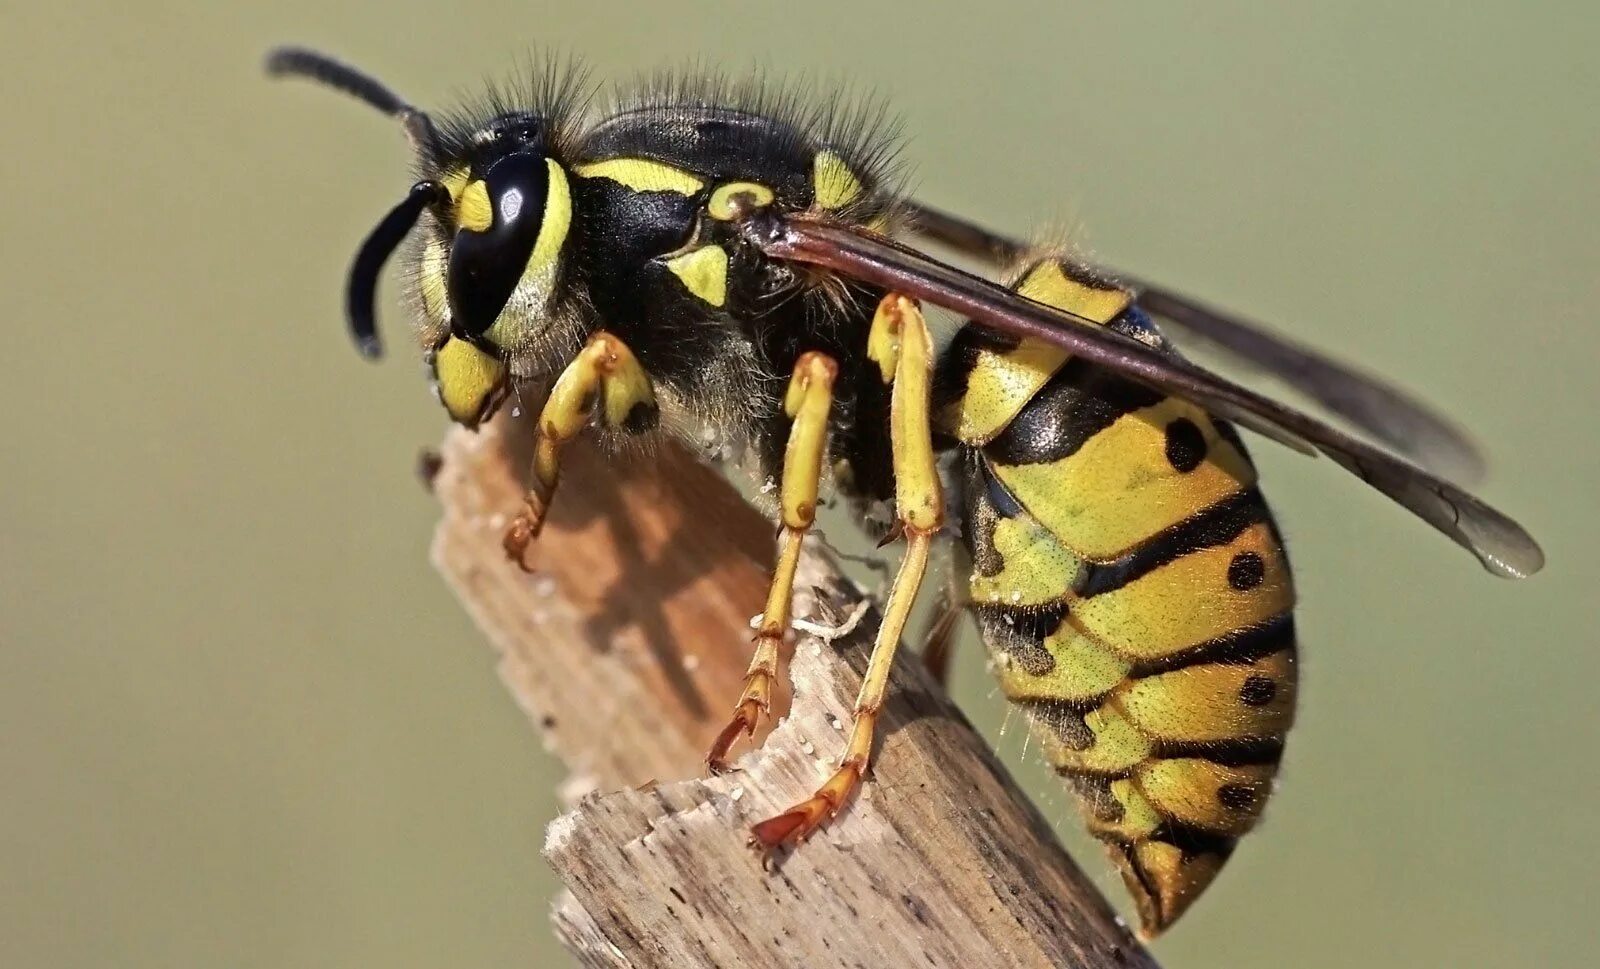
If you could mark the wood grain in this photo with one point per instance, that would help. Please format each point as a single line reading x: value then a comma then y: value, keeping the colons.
x: 627, y: 648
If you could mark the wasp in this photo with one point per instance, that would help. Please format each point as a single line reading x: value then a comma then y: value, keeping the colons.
x: 711, y: 259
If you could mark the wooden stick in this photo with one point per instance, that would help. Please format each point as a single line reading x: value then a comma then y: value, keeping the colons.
x: 627, y: 648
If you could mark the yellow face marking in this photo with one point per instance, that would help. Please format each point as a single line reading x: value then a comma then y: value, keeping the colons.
x: 722, y: 204
x: 1001, y: 384
x: 473, y: 210
x: 1210, y: 702
x: 704, y: 272
x: 455, y: 180
x: 1215, y: 797
x: 643, y: 175
x: 1035, y: 569
x: 1084, y: 670
x: 832, y: 181
x: 468, y: 380
x: 538, y: 278
x: 1120, y: 487
x: 1189, y: 600
x: 1118, y: 745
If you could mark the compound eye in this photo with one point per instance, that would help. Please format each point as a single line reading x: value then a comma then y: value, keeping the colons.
x: 487, y: 260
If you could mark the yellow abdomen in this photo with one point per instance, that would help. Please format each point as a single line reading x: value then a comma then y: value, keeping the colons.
x: 1131, y: 588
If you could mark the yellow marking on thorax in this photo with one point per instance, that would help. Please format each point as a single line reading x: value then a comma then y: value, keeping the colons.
x: 721, y: 206
x: 643, y: 175
x: 512, y: 329
x: 704, y: 272
x: 1189, y: 600
x: 1119, y: 488
x: 833, y: 184
x: 467, y: 379
x: 1001, y: 384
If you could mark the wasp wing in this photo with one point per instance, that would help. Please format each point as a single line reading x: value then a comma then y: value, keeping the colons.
x: 1368, y: 402
x: 1503, y: 547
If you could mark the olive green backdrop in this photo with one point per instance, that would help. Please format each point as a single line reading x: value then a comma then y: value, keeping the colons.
x: 242, y: 725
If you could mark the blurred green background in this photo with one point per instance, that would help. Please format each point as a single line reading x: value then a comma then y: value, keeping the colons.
x: 243, y: 725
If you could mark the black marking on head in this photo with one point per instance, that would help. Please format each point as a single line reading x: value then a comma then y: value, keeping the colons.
x: 537, y: 109
x: 1246, y: 571
x: 1257, y: 691
x: 1217, y: 525
x: 1186, y: 446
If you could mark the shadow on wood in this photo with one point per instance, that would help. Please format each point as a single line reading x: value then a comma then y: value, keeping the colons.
x: 628, y: 647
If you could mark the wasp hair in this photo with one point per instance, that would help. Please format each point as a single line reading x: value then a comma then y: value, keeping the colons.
x: 552, y: 88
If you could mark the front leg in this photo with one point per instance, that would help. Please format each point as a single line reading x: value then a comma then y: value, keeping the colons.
x: 900, y: 345
x: 605, y: 376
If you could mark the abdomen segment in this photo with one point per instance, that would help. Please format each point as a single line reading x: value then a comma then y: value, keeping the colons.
x: 1132, y: 590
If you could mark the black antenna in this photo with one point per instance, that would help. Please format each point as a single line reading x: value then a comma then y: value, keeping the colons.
x: 309, y: 64
x: 300, y: 62
x: 362, y: 284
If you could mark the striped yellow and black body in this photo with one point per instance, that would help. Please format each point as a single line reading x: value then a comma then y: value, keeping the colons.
x: 1131, y: 587
x: 728, y: 265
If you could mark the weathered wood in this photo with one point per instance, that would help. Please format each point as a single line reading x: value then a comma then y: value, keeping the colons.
x: 628, y: 649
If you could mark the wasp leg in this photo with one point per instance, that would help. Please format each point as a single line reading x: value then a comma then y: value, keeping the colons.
x: 809, y: 398
x: 899, y: 344
x: 605, y: 376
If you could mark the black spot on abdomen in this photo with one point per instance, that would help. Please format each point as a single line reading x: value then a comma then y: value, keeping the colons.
x: 1186, y: 446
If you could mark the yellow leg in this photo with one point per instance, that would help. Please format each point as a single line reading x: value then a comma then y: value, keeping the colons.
x: 808, y: 401
x: 605, y: 376
x: 900, y: 345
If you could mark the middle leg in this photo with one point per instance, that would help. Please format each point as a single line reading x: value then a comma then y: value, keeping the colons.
x: 900, y: 345
x: 808, y: 401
